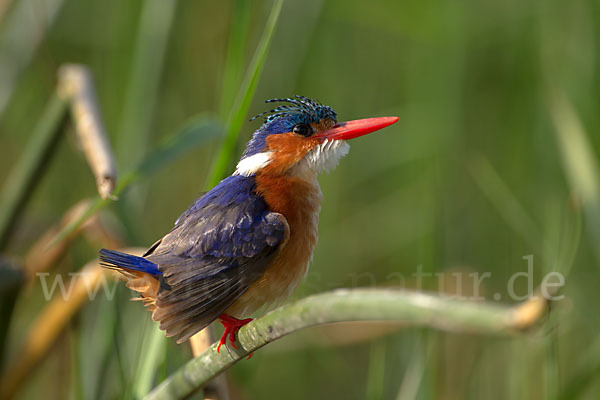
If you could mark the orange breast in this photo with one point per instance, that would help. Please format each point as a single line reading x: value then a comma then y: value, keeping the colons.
x: 299, y: 201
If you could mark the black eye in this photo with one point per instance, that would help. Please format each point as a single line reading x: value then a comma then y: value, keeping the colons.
x: 302, y: 129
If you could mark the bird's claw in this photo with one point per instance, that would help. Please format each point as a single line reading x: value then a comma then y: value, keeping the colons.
x: 232, y: 326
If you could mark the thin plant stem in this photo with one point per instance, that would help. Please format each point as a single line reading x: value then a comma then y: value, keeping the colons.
x: 30, y: 167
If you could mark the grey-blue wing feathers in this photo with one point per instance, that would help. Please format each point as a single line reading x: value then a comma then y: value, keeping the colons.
x: 217, y: 249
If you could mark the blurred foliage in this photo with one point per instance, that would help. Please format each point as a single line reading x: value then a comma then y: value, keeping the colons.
x: 497, y: 141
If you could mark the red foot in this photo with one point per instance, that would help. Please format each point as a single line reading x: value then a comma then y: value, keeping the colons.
x: 232, y: 325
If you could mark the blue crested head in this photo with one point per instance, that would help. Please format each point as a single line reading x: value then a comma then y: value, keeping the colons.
x: 302, y: 137
x: 282, y: 119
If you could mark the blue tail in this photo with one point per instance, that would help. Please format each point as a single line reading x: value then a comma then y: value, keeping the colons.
x: 116, y: 259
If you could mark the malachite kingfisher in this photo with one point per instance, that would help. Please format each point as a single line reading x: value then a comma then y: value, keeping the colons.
x: 248, y: 241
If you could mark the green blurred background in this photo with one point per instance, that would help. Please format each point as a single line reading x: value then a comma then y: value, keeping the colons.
x: 494, y: 157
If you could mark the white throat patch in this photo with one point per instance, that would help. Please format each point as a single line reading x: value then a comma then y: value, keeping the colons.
x: 249, y: 165
x: 327, y: 155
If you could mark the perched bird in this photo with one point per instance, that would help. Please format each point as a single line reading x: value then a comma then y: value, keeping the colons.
x: 248, y: 241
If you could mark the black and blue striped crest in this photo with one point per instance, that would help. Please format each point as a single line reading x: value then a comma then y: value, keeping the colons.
x: 299, y: 110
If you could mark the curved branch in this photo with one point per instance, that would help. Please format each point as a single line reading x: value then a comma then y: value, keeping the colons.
x: 353, y: 305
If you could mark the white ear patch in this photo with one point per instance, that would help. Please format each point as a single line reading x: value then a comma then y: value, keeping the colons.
x: 249, y: 165
x: 327, y: 155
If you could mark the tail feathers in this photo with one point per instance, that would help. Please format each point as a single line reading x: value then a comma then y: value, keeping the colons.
x: 140, y: 274
x: 116, y: 260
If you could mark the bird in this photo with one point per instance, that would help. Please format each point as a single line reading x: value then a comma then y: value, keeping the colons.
x: 248, y: 241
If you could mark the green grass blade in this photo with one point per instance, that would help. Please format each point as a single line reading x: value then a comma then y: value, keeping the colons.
x: 12, y: 278
x: 22, y: 178
x: 498, y: 193
x: 376, y: 371
x: 578, y: 160
x: 195, y: 132
x: 144, y: 78
x: 415, y: 372
x: 19, y: 43
x: 153, y: 354
x: 242, y: 103
x: 234, y: 65
x: 140, y: 100
x: 585, y: 373
x: 569, y: 240
x: 77, y: 384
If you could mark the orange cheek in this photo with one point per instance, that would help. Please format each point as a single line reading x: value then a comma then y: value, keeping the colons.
x: 288, y: 150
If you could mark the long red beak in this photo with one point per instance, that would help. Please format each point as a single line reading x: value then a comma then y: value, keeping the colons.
x: 352, y: 129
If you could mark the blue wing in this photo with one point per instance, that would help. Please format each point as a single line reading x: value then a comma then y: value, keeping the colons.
x: 217, y: 249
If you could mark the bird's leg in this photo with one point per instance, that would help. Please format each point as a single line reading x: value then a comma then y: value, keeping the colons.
x: 232, y: 325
